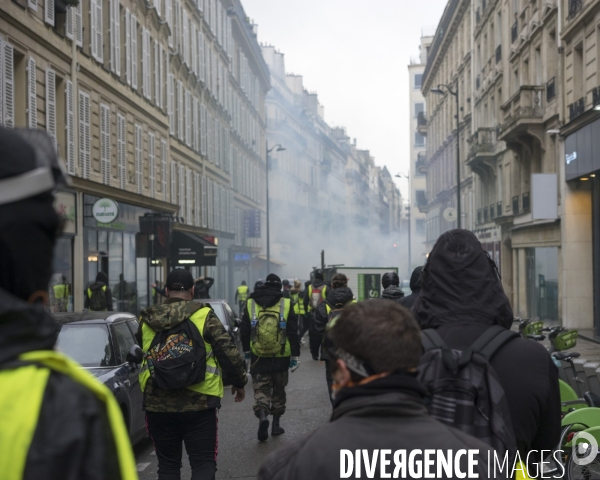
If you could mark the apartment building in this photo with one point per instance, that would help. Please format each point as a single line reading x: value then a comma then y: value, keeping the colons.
x: 417, y: 179
x: 158, y: 110
x: 325, y: 194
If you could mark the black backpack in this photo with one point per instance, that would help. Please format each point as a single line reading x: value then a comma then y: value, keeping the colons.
x: 98, y: 299
x: 463, y: 388
x: 177, y: 357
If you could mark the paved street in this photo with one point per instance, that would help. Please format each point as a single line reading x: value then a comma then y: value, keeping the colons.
x: 240, y: 454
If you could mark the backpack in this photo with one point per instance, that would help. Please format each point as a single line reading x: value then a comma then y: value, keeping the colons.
x: 463, y: 388
x: 177, y: 357
x: 334, y: 313
x: 268, y: 333
x: 316, y: 296
x: 98, y: 299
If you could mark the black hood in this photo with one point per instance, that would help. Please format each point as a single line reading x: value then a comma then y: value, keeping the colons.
x: 460, y: 282
x: 97, y: 286
x: 415, y: 279
x: 318, y: 283
x: 266, y: 297
x: 23, y: 327
x: 339, y: 296
x: 392, y: 293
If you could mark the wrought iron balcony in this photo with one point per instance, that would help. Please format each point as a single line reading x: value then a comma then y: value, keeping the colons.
x: 498, y: 53
x: 576, y: 108
x: 575, y: 6
x: 551, y: 89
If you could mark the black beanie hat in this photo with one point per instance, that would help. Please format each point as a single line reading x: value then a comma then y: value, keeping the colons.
x: 102, y: 277
x: 273, y: 282
x: 180, y: 280
x: 390, y: 278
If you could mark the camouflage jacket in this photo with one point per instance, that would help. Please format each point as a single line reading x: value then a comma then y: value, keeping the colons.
x: 170, y: 314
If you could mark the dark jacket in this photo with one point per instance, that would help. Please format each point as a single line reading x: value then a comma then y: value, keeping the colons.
x: 388, y: 413
x: 336, y: 299
x: 170, y: 314
x: 107, y: 293
x: 72, y: 439
x: 266, y: 298
x: 461, y: 297
x: 201, y: 288
x: 393, y: 293
x: 415, y: 288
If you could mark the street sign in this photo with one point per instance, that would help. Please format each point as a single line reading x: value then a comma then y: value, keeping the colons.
x: 252, y: 223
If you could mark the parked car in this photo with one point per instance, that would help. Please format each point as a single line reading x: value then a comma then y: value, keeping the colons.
x: 104, y: 344
x: 230, y: 321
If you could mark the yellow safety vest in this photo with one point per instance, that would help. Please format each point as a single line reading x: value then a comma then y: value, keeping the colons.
x: 213, y: 382
x: 298, y: 305
x: 89, y: 292
x: 61, y: 291
x: 21, y: 394
x: 323, y: 295
x: 287, y: 351
x: 328, y: 310
x: 242, y: 292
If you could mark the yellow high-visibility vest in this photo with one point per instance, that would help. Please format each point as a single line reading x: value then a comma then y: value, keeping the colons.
x: 298, y: 304
x: 242, y: 292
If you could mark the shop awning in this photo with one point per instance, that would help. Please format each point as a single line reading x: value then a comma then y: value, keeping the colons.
x: 190, y: 249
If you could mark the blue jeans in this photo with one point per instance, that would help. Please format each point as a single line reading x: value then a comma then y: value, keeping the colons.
x: 199, y: 432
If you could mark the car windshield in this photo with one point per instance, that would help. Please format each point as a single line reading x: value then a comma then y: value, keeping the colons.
x: 218, y: 308
x: 88, y: 345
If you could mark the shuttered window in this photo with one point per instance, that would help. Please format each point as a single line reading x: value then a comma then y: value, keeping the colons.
x: 139, y: 172
x: 157, y: 73
x: 195, y: 124
x: 74, y: 24
x: 146, y: 78
x: 188, y: 118
x: 217, y: 142
x: 105, y: 143
x: 216, y: 206
x: 171, y: 103
x: 210, y: 137
x: 204, y: 204
x: 128, y: 46
x: 180, y: 111
x: 31, y: 93
x: 96, y: 30
x: 189, y: 219
x: 202, y: 129
x: 201, y: 65
x: 169, y: 19
x: 194, y: 49
x: 85, y: 141
x: 32, y: 4
x: 70, y: 127
x: 173, y: 182
x: 152, y: 164
x: 182, y: 190
x: 197, y: 194
x: 49, y: 12
x: 134, y: 53
x: 163, y: 168
x: 209, y: 206
x: 115, y: 37
x: 122, y: 150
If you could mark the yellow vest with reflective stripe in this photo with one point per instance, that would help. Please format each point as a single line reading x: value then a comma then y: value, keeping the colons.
x: 213, y: 383
x: 287, y: 352
x: 89, y: 292
x: 242, y: 292
x: 21, y: 394
x: 298, y: 305
x: 61, y: 291
x: 323, y: 295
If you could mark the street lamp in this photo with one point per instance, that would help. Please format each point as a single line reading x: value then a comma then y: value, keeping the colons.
x: 399, y: 175
x: 440, y: 91
x: 269, y: 150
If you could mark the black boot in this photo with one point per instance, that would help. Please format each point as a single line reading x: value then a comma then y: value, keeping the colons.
x: 263, y: 425
x: 276, y: 429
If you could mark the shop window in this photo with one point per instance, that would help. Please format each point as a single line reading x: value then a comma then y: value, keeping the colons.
x: 542, y: 283
x: 61, y: 283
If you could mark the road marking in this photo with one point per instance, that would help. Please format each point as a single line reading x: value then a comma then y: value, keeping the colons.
x: 142, y: 466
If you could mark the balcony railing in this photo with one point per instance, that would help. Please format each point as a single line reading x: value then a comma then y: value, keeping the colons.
x: 525, y: 197
x: 514, y: 31
x: 498, y: 53
x: 576, y: 109
x: 526, y: 103
x: 499, y: 209
x: 551, y: 89
x: 575, y: 7
x: 596, y: 96
x: 515, y: 204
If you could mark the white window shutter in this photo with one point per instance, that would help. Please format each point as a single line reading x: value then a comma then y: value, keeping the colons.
x: 31, y: 93
x: 105, y: 143
x: 180, y: 111
x: 186, y: 39
x: 171, y: 102
x: 203, y: 129
x: 99, y: 32
x: 49, y: 12
x: 93, y: 26
x: 152, y: 164
x: 144, y: 60
x: 134, y: 53
x: 201, y: 66
x: 70, y: 127
x: 196, y: 124
x: 204, y: 205
x: 139, y: 179
x: 85, y: 143
x: 122, y: 150
x: 51, y: 103
x: 188, y: 118
x: 169, y: 20
x: 182, y: 190
x: 115, y: 37
x: 128, y: 46
x: 188, y: 197
x: 217, y: 143
x: 70, y: 23
x: 194, y: 49
x: 157, y: 69
x: 163, y: 168
x: 209, y: 198
x: 32, y: 4
x: 173, y: 182
x: 197, y: 194
x: 78, y: 24
x: 158, y: 6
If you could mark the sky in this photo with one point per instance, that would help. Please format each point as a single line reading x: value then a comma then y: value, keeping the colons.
x: 354, y: 54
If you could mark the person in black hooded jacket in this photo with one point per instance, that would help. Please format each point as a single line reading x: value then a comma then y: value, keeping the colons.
x: 101, y: 283
x: 270, y: 373
x: 415, y: 288
x: 391, y: 290
x: 461, y: 297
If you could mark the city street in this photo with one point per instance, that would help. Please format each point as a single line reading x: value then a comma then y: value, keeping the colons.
x: 240, y: 453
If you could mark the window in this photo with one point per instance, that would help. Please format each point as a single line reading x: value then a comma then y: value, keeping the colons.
x: 105, y: 143
x: 419, y: 107
x: 418, y: 81
x: 163, y: 168
x: 420, y: 227
x: 122, y: 150
x: 419, y: 140
x: 139, y: 181
x: 85, y: 143
x: 115, y: 37
x: 124, y: 340
x: 152, y: 164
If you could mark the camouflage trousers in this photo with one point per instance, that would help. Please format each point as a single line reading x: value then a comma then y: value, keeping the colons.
x: 269, y: 392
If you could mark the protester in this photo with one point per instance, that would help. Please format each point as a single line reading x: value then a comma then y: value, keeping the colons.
x: 390, y: 282
x: 202, y: 287
x: 461, y: 297
x: 286, y: 288
x: 98, y: 297
x: 186, y: 412
x: 296, y: 294
x: 269, y: 334
x: 241, y: 296
x: 57, y: 421
x: 415, y: 288
x: 374, y: 349
x: 316, y: 292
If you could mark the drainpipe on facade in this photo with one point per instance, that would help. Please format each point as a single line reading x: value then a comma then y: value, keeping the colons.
x: 560, y: 169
